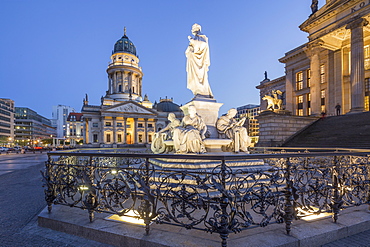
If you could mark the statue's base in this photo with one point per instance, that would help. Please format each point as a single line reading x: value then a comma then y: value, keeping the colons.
x: 251, y: 165
x: 208, y: 109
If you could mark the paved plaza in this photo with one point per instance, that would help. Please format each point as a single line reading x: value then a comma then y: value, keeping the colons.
x: 22, y: 199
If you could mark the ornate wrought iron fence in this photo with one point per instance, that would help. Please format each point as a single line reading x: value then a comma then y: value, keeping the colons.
x: 223, y: 199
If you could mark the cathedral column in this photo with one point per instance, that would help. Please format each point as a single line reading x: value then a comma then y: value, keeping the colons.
x: 115, y: 82
x: 125, y: 131
x: 109, y: 84
x: 130, y: 83
x: 146, y: 130
x: 114, y: 131
x: 357, y: 64
x: 101, y: 141
x: 314, y: 54
x: 135, y: 131
x: 87, y: 131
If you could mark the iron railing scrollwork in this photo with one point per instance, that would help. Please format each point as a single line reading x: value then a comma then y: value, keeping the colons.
x: 224, y: 199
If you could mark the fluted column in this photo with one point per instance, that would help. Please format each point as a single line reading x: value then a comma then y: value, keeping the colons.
x: 146, y: 131
x: 115, y: 82
x: 125, y: 131
x: 87, y: 131
x: 135, y: 130
x: 357, y: 64
x: 114, y: 130
x: 314, y: 54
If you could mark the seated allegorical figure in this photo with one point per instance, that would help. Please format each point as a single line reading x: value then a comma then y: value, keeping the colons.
x: 164, y: 134
x: 188, y: 138
x: 234, y: 130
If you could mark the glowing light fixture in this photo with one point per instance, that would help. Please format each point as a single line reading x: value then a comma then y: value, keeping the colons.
x: 83, y: 187
x: 130, y: 217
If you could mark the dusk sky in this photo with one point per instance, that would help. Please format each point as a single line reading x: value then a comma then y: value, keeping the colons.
x: 53, y: 52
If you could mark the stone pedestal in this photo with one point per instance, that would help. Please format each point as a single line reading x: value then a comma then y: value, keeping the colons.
x: 276, y: 128
x: 208, y: 109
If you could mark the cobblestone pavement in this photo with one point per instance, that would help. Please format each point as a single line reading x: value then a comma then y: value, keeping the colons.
x: 22, y: 199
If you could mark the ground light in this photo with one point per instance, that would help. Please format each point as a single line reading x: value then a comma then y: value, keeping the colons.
x: 130, y: 217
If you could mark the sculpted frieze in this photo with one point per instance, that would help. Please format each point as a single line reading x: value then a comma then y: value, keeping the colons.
x: 130, y: 108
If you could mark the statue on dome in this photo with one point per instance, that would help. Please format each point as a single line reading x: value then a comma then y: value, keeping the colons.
x: 197, y: 64
x: 158, y: 146
x: 234, y: 130
x: 188, y: 138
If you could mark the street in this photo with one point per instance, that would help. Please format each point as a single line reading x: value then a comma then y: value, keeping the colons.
x: 22, y: 199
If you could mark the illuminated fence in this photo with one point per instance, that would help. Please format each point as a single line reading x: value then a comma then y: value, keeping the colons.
x: 223, y: 199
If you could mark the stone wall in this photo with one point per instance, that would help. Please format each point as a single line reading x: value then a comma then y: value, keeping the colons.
x: 275, y: 128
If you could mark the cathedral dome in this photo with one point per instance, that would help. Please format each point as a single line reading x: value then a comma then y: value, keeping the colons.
x: 124, y: 45
x: 166, y: 105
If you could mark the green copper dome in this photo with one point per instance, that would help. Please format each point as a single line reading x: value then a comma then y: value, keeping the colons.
x: 124, y: 45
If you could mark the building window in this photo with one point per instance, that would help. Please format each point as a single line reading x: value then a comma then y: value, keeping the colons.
x: 119, y: 124
x: 95, y: 137
x: 299, y: 80
x: 308, y: 104
x: 322, y: 100
x: 308, y: 74
x: 108, y: 123
x: 108, y: 137
x: 119, y: 138
x: 300, y: 105
x: 367, y: 56
x: 140, y: 125
x: 120, y: 88
x: 150, y: 125
x: 140, y: 138
x: 367, y: 94
x: 322, y: 73
x: 150, y: 138
x: 95, y: 125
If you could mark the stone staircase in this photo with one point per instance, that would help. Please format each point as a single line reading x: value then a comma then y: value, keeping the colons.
x: 345, y: 131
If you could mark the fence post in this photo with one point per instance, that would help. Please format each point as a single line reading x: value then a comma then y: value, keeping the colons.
x: 336, y: 199
x: 289, y: 208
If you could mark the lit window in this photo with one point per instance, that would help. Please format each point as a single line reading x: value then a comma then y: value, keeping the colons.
x: 308, y: 104
x: 308, y: 73
x: 300, y: 105
x: 367, y: 57
x: 322, y: 100
x: 322, y: 73
x: 108, y: 137
x: 119, y: 138
x: 299, y: 80
x: 108, y: 124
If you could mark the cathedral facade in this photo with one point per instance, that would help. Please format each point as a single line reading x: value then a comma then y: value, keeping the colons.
x: 331, y: 70
x: 124, y: 116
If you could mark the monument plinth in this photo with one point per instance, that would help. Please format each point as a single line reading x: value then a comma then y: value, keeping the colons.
x: 208, y: 109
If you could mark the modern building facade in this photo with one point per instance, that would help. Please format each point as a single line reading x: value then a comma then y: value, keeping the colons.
x: 250, y: 112
x: 125, y: 116
x: 59, y: 119
x: 75, y: 128
x: 31, y: 128
x: 333, y: 67
x: 6, y: 121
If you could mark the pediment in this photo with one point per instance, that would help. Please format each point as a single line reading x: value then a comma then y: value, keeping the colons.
x: 130, y: 108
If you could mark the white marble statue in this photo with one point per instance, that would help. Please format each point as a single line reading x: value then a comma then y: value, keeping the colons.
x: 164, y: 134
x: 197, y: 64
x: 188, y: 138
x: 234, y: 130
